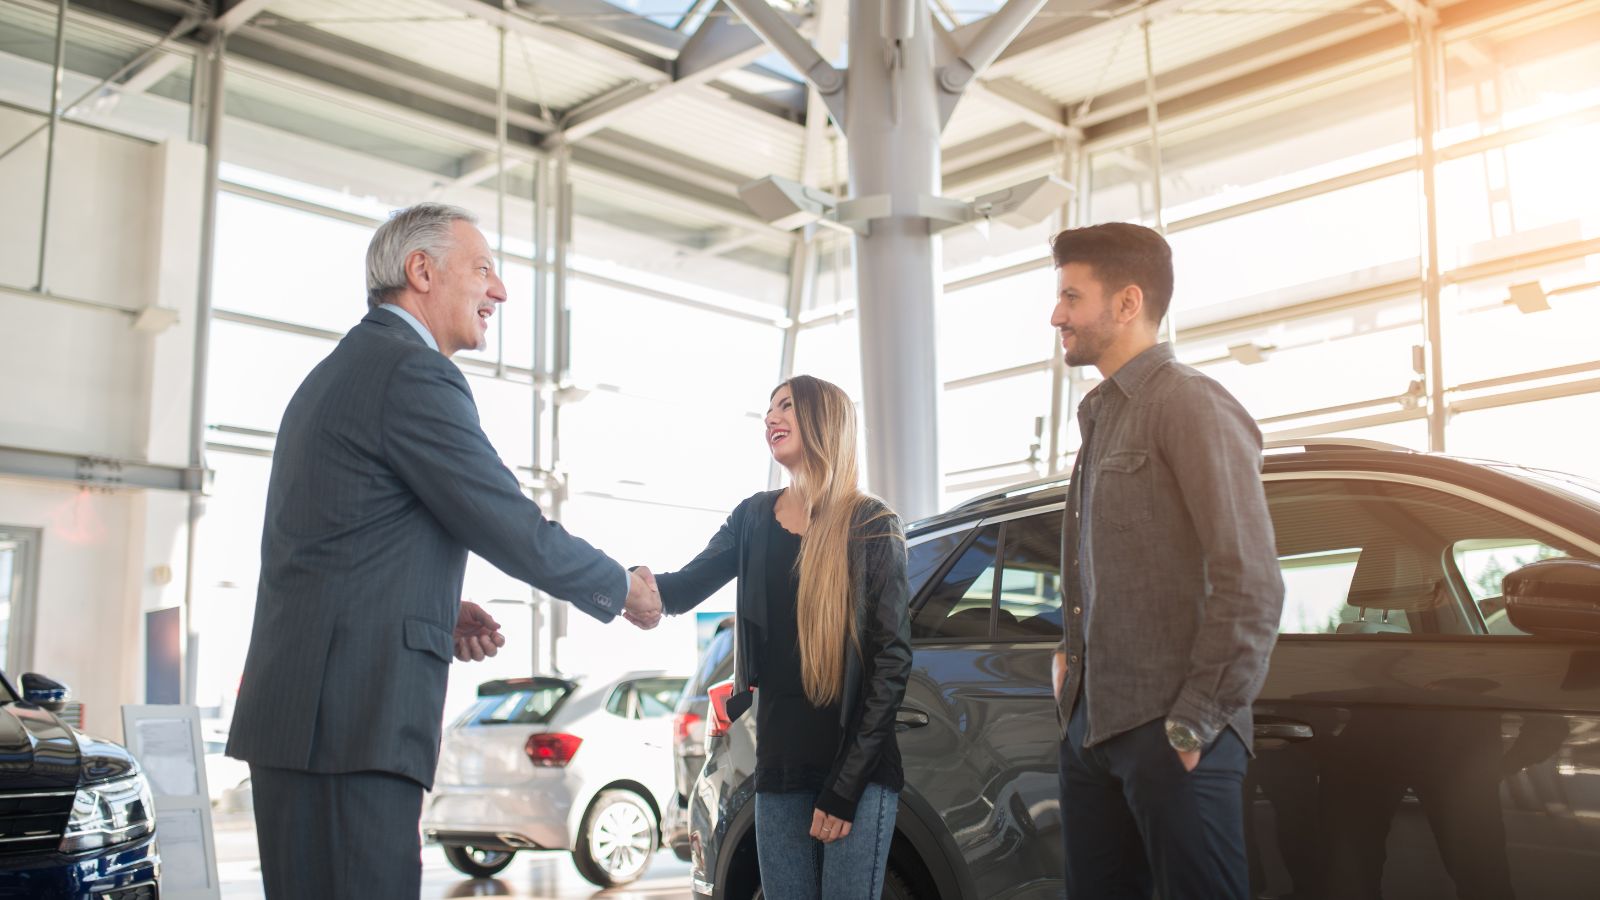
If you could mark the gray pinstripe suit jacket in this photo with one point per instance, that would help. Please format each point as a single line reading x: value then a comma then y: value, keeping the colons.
x: 382, y: 481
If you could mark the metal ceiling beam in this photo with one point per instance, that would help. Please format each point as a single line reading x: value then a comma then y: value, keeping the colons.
x: 623, y: 171
x: 776, y: 31
x: 151, y: 73
x: 602, y: 22
x: 1265, y: 54
x: 1031, y: 106
x: 832, y: 21
x: 308, y: 44
x: 721, y: 44
x: 1415, y: 11
x: 1062, y: 34
x: 100, y: 471
x: 238, y: 13
x: 519, y: 21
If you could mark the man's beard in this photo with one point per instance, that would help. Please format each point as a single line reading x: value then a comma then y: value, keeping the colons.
x: 1090, y: 343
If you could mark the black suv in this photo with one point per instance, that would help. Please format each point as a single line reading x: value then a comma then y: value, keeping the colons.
x: 76, y: 819
x: 1430, y: 726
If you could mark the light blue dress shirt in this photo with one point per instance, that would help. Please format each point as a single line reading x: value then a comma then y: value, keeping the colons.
x: 411, y: 320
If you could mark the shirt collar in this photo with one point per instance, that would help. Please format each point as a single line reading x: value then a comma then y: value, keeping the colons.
x: 411, y: 320
x: 1133, y: 374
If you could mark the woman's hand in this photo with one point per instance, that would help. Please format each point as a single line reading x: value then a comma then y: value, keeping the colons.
x: 826, y: 828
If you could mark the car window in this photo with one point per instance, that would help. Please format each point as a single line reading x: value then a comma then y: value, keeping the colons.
x: 958, y: 606
x: 923, y: 557
x: 1364, y: 557
x: 717, y: 649
x: 655, y: 697
x: 522, y: 706
x: 1484, y: 562
x: 620, y: 703
x: 1030, y: 579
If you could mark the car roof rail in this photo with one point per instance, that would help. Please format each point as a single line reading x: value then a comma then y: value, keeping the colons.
x: 1334, y: 443
x: 1026, y: 487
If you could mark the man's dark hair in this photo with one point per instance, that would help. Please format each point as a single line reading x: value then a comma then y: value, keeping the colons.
x: 1121, y: 253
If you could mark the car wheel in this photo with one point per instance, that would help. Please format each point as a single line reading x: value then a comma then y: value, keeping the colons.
x: 618, y: 836
x: 895, y: 887
x: 478, y: 862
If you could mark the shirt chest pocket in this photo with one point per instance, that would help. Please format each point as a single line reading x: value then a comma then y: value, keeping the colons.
x: 1122, y: 489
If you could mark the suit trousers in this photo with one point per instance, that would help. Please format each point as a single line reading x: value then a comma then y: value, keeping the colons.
x: 347, y: 836
x: 1134, y: 822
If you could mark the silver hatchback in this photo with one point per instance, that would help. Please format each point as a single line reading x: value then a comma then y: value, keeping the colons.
x: 553, y: 763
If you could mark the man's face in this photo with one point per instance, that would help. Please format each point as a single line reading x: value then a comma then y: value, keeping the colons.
x: 465, y: 293
x: 1083, y: 315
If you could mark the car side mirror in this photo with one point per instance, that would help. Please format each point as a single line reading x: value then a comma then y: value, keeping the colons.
x: 44, y: 692
x: 1555, y: 598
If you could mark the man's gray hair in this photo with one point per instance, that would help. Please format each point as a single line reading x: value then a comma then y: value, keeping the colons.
x: 424, y: 227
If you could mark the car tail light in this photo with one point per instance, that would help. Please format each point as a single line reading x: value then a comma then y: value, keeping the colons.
x: 681, y: 723
x: 720, y: 723
x: 552, y: 750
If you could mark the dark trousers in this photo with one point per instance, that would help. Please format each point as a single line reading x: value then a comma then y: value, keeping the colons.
x: 337, y: 837
x: 1135, y: 822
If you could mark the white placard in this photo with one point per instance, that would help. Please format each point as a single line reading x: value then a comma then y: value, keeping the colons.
x: 166, y: 741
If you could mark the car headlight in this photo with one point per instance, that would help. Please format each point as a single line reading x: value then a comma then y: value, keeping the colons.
x: 110, y: 813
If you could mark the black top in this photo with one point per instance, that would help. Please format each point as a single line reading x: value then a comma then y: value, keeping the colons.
x: 797, y: 743
x: 875, y: 672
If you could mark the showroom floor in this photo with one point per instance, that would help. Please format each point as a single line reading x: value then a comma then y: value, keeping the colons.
x: 533, y: 876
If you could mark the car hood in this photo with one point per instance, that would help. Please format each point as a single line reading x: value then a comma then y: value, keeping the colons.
x: 40, y: 752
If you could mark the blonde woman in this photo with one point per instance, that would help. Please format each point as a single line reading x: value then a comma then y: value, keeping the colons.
x: 822, y: 635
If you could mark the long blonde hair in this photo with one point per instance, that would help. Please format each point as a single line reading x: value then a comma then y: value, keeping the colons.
x: 825, y: 481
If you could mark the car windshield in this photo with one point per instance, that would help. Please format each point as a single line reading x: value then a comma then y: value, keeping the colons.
x: 5, y: 690
x: 519, y: 703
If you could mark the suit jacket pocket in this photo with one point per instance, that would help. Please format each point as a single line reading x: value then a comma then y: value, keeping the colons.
x: 429, y: 638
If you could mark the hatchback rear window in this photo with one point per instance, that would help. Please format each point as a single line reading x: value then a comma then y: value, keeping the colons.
x: 531, y: 704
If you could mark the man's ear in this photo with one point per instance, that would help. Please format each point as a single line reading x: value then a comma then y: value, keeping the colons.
x: 419, y: 271
x: 1128, y: 305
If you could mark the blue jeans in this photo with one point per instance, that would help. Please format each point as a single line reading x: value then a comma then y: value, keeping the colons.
x: 796, y: 866
x: 1133, y: 820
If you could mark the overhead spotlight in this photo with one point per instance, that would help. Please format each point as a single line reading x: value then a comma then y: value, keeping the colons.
x: 1024, y: 204
x: 1249, y: 353
x: 1529, y: 297
x: 786, y: 204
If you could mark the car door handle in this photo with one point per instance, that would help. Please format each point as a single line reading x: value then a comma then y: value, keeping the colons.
x: 907, y: 718
x: 1284, y: 730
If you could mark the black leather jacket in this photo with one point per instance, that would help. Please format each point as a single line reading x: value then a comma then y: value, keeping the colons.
x: 874, y: 678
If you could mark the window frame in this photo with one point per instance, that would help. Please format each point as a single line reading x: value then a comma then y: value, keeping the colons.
x: 974, y: 527
x: 1542, y: 526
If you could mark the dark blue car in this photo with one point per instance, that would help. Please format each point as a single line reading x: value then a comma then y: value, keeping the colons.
x: 76, y: 819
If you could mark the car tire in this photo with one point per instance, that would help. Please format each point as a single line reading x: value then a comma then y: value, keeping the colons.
x: 478, y: 862
x: 895, y: 887
x: 617, y: 839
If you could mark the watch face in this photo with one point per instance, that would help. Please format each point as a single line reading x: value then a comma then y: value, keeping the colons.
x: 1182, y: 737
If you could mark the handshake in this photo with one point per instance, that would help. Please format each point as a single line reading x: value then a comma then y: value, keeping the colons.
x: 643, y: 606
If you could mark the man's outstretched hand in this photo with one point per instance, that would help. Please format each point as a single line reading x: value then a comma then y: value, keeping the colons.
x: 477, y: 634
x: 643, y: 607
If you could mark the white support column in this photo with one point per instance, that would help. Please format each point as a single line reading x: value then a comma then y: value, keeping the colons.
x: 892, y: 121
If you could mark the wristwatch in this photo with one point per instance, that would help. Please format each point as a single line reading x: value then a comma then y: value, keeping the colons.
x: 1182, y: 737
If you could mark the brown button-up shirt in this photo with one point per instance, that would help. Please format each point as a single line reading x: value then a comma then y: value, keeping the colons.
x: 1170, y: 576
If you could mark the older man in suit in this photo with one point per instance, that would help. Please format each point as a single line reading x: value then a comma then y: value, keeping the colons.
x: 382, y: 481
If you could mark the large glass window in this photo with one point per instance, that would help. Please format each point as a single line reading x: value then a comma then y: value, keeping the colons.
x: 1305, y: 363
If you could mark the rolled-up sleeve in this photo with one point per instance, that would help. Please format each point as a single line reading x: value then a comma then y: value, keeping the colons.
x: 1213, y: 448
